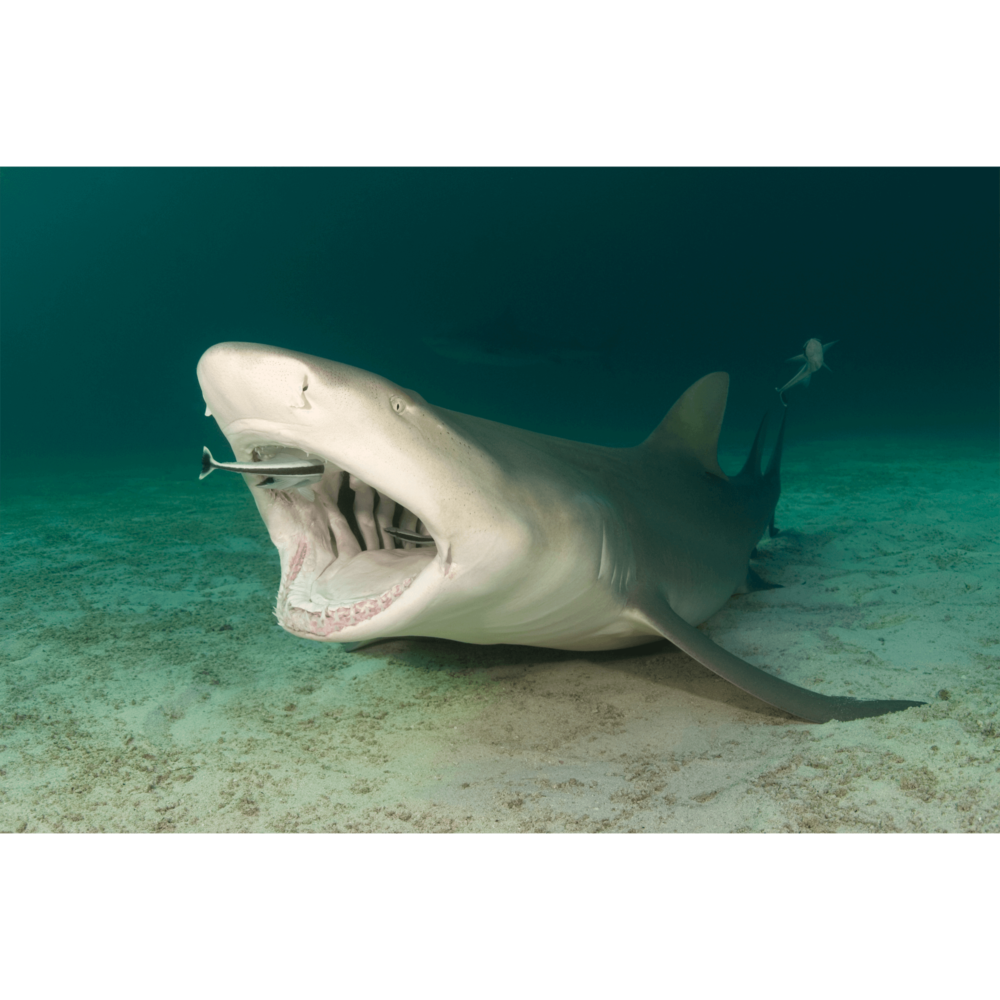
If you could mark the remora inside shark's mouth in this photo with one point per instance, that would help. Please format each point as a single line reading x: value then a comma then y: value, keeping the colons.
x: 343, y: 561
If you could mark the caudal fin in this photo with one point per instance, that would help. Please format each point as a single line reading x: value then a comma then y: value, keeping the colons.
x: 751, y: 467
x: 774, y: 465
x: 773, y: 473
x: 207, y: 463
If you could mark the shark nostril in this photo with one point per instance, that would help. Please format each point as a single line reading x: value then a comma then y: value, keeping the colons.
x: 303, y: 403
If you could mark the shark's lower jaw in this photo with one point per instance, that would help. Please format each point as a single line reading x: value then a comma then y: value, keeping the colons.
x: 297, y: 611
x: 340, y: 568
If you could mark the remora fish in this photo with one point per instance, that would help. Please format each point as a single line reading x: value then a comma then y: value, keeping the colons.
x: 812, y: 355
x: 290, y: 474
x: 535, y: 540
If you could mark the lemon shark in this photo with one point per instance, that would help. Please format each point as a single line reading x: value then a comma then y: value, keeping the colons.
x: 395, y: 517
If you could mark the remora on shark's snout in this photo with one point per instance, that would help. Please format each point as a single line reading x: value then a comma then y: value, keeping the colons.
x: 532, y: 539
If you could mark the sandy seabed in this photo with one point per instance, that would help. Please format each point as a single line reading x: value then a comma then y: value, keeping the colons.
x: 146, y: 686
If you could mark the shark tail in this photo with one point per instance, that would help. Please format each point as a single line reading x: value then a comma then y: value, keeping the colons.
x: 763, y: 487
x: 773, y: 473
x: 774, y: 465
x: 207, y: 463
x: 752, y: 466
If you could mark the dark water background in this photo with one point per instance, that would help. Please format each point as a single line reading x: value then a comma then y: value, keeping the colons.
x: 576, y: 302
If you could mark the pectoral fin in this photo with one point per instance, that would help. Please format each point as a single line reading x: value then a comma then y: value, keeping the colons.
x: 755, y: 582
x: 790, y: 698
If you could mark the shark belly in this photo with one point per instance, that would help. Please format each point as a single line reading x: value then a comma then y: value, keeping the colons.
x: 595, y: 619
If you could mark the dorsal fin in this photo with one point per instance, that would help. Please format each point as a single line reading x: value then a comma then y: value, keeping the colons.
x: 694, y: 422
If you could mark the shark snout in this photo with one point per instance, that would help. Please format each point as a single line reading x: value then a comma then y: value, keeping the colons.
x: 246, y: 380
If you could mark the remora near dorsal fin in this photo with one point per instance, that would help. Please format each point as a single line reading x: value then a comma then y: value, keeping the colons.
x: 694, y: 422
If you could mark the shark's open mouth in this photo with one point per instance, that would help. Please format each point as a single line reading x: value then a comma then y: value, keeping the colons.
x: 348, y: 552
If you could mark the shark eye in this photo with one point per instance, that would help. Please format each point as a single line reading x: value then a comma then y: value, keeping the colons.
x: 397, y: 403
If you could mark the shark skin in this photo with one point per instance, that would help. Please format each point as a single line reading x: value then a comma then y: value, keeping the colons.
x: 533, y: 540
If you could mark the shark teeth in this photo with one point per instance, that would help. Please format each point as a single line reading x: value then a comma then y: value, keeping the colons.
x: 348, y: 565
x: 330, y: 620
x: 358, y: 514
